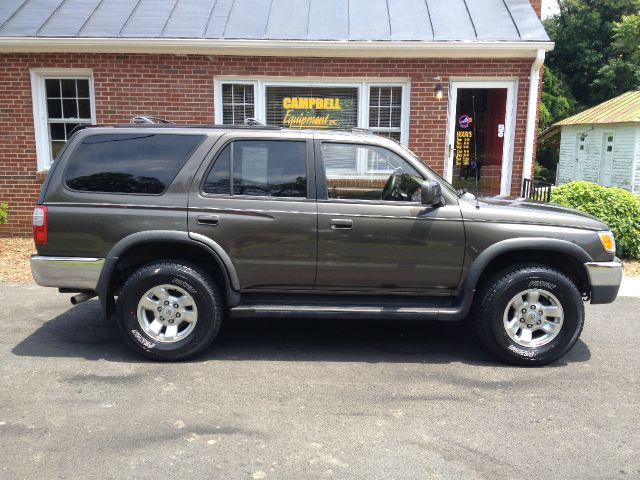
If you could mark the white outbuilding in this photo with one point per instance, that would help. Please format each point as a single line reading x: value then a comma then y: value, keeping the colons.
x: 602, y: 144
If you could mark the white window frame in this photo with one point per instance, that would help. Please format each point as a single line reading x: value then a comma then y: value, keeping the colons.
x: 402, y: 105
x: 511, y: 85
x: 362, y: 84
x: 39, y: 102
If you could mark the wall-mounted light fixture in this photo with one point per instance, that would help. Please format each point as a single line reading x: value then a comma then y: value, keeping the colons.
x: 585, y: 134
x: 439, y: 90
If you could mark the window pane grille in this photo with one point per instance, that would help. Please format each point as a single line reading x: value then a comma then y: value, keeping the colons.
x: 385, y: 111
x: 68, y: 103
x: 238, y: 103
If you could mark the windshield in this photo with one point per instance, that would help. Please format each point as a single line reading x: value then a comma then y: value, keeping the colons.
x: 443, y: 182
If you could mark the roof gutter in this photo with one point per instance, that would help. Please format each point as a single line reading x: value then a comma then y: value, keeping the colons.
x: 275, y: 48
x: 532, y: 110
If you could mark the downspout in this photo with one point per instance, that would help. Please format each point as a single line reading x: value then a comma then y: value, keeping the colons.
x: 532, y: 109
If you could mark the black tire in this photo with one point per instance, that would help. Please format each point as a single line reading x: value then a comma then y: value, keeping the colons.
x: 202, y: 290
x: 492, y: 301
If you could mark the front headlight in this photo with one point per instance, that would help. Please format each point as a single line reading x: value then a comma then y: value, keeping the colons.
x: 607, y: 241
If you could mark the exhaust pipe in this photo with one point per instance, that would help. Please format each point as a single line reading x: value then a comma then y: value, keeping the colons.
x: 82, y: 297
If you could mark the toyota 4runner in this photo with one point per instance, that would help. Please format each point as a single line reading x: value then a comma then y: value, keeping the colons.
x: 177, y: 228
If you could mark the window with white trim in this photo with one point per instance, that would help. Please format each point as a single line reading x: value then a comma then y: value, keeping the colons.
x: 378, y: 105
x: 385, y: 111
x: 62, y: 100
x: 238, y: 103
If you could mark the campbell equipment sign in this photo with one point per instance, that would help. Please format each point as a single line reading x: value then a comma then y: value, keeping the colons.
x: 303, y: 112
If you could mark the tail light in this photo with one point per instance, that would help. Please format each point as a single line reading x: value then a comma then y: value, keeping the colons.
x: 40, y: 225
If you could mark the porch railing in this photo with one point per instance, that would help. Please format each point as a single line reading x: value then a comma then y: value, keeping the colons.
x: 536, y: 190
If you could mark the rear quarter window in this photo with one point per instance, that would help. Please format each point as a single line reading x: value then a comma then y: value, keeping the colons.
x: 144, y: 163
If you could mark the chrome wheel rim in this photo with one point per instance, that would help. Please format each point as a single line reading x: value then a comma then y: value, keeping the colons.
x: 167, y: 313
x: 533, y: 318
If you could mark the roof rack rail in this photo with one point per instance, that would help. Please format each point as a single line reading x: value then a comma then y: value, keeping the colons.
x: 253, y: 122
x: 192, y: 125
x: 148, y: 119
x: 362, y: 130
x: 77, y: 128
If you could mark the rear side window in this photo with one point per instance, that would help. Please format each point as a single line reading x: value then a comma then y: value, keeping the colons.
x: 276, y: 168
x: 218, y: 181
x: 129, y: 163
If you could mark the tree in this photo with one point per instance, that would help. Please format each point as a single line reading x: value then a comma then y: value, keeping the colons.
x: 621, y: 73
x: 557, y: 100
x: 557, y: 103
x: 626, y: 35
x: 586, y: 56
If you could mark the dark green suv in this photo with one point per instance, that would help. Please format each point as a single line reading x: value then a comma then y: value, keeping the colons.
x: 177, y: 228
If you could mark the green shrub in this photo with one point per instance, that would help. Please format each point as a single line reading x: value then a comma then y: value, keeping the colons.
x: 3, y: 212
x: 616, y: 207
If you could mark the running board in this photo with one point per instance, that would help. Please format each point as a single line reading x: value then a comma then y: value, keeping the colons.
x: 443, y: 310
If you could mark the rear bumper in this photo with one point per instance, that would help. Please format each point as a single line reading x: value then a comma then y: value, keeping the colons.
x: 66, y: 272
x: 605, y: 279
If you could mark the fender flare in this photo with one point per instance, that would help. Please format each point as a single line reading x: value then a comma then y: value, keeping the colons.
x: 514, y: 244
x: 217, y: 253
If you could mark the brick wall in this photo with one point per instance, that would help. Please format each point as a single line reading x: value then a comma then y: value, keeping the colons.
x: 537, y: 6
x: 180, y: 88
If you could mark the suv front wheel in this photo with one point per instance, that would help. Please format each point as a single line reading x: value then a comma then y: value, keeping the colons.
x: 529, y: 314
x: 169, y: 310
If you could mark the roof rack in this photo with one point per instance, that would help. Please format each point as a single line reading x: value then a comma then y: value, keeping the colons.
x: 192, y: 125
x: 365, y: 131
x: 77, y: 128
x: 253, y: 122
x: 147, y: 119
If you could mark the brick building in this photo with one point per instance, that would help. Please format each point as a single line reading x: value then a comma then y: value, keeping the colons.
x: 456, y: 81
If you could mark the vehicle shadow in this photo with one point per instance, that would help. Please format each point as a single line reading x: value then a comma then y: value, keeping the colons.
x: 81, y: 332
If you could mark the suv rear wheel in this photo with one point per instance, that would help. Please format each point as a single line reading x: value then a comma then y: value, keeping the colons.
x: 170, y: 310
x: 529, y: 314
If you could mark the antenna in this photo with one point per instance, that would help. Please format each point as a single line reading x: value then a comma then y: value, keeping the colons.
x: 475, y: 148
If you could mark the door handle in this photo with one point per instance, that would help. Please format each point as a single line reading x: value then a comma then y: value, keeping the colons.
x: 341, y: 224
x: 209, y: 220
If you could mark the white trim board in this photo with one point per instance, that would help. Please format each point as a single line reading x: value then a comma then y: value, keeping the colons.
x: 277, y: 48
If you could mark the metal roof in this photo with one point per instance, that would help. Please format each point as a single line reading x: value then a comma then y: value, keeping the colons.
x: 313, y: 20
x: 622, y: 109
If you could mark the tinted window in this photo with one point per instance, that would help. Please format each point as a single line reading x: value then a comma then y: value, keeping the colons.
x: 129, y: 163
x: 218, y: 180
x: 369, y: 172
x: 261, y: 168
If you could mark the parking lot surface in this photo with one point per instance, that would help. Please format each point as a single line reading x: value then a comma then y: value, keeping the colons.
x: 287, y: 399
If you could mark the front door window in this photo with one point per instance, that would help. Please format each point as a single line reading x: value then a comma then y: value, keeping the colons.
x: 368, y: 172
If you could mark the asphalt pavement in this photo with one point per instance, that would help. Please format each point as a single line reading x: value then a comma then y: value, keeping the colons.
x: 294, y: 399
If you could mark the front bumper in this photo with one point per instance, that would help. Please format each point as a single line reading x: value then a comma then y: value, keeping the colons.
x: 79, y: 273
x: 605, y: 279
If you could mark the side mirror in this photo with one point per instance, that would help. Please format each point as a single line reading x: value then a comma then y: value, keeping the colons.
x: 431, y: 193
